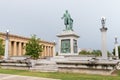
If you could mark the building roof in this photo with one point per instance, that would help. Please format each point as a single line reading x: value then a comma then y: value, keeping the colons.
x: 26, y: 38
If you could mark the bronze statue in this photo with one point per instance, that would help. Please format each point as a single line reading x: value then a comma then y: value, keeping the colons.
x: 68, y: 21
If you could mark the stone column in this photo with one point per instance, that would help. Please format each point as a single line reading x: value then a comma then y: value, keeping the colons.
x: 104, y: 44
x: 14, y: 48
x: 116, y: 48
x: 20, y: 48
x: 44, y: 51
x: 53, y: 50
x: 10, y: 53
x: 50, y: 51
x: 24, y: 48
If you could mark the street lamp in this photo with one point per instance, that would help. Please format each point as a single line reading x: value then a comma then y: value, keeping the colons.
x: 6, y: 45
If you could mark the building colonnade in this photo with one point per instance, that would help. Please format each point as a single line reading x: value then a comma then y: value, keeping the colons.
x: 17, y: 46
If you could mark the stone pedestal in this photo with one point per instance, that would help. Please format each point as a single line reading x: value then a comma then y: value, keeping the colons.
x: 104, y: 44
x: 68, y: 43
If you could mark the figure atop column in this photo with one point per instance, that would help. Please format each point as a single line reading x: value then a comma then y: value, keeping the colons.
x: 68, y: 21
x: 103, y: 19
x: 116, y: 40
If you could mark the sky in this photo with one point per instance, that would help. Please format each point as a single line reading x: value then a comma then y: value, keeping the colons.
x: 43, y: 18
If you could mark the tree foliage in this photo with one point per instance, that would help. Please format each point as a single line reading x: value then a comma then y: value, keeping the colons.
x: 94, y: 52
x: 1, y: 48
x: 118, y: 51
x: 83, y: 52
x: 97, y: 53
x: 33, y: 48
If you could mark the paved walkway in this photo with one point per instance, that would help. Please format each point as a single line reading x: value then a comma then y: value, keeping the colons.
x: 17, y: 77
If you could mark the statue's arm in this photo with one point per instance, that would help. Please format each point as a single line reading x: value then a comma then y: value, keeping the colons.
x: 63, y: 16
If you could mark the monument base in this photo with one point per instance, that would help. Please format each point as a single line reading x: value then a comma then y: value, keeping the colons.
x: 88, y: 67
x: 68, y: 43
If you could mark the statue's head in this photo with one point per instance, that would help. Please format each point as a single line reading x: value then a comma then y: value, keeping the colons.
x: 66, y: 11
x: 103, y: 18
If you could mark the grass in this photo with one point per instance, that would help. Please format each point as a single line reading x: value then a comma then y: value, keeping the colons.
x: 62, y: 76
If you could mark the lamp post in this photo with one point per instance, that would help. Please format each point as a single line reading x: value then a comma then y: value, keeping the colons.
x: 6, y: 45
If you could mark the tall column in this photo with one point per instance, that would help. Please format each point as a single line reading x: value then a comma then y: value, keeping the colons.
x: 44, y: 51
x: 53, y: 50
x: 17, y: 48
x: 20, y: 48
x: 6, y: 46
x: 104, y: 46
x: 24, y: 44
x: 14, y: 48
x: 10, y: 51
x: 116, y: 48
x: 49, y: 51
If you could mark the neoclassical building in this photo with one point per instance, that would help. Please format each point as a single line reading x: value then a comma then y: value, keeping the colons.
x: 17, y: 45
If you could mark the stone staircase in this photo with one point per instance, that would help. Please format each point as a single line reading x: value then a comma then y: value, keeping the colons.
x: 45, y: 66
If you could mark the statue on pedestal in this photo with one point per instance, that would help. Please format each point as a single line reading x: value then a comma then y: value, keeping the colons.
x: 68, y: 21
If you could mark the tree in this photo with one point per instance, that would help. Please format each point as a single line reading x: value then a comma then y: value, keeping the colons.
x: 1, y: 48
x: 83, y: 52
x: 33, y: 48
x: 118, y: 51
x: 96, y: 52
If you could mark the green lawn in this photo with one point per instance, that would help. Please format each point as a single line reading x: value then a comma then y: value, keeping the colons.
x: 62, y: 76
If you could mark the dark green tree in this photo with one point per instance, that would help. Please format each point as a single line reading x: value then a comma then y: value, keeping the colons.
x: 33, y: 48
x: 83, y: 52
x: 96, y: 52
x: 118, y: 51
x: 1, y: 48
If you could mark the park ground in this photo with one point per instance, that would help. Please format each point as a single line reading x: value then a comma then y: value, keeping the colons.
x: 61, y: 76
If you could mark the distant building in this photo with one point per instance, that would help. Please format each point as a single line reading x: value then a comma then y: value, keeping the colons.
x: 17, y: 43
x: 85, y: 49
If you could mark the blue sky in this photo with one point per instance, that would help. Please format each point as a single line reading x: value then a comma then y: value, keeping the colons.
x: 43, y: 18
